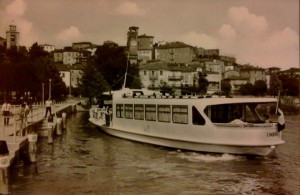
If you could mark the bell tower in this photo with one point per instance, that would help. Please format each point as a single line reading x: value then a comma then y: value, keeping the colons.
x: 12, y: 37
x: 132, y: 44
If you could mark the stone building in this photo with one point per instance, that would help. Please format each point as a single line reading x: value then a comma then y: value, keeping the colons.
x: 132, y: 44
x: 252, y: 73
x: 48, y: 48
x: 145, y: 48
x: 12, y: 37
x: 155, y: 74
x: 175, y: 52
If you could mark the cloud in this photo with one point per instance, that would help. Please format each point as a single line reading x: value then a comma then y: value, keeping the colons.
x: 226, y: 31
x: 129, y: 8
x: 245, y: 22
x: 202, y: 40
x: 67, y: 35
x: 248, y: 38
x: 16, y: 9
x: 14, y: 13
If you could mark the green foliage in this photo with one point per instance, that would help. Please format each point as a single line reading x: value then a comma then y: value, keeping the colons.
x: 225, y: 87
x: 259, y: 88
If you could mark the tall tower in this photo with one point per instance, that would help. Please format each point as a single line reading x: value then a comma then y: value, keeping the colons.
x: 132, y: 44
x: 12, y: 37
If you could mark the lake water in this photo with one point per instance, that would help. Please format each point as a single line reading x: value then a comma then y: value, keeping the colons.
x: 86, y: 161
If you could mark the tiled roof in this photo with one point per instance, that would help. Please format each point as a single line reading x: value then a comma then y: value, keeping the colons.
x: 174, y: 45
x: 145, y: 36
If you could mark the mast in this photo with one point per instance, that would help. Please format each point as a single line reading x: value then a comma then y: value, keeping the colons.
x: 126, y: 71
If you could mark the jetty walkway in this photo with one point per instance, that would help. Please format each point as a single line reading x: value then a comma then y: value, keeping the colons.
x: 16, y: 133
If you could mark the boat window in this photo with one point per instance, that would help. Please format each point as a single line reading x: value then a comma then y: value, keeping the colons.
x: 120, y: 111
x: 249, y: 112
x: 197, y: 117
x: 128, y: 111
x: 164, y: 113
x: 180, y: 114
x: 224, y: 113
x: 150, y: 113
x: 139, y: 111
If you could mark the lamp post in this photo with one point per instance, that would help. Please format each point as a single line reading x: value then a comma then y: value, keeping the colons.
x: 49, y: 88
x: 43, y: 96
x: 70, y: 89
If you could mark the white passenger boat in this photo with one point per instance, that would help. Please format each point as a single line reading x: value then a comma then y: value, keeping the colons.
x: 191, y: 122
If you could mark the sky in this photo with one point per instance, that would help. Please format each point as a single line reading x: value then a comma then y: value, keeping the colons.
x: 263, y: 33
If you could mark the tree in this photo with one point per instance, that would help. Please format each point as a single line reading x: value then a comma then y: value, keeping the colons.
x: 246, y: 89
x: 225, y: 87
x: 164, y: 88
x: 24, y: 73
x: 92, y: 83
x: 275, y: 85
x: 260, y: 88
x: 290, y: 85
x: 202, y: 82
x: 111, y: 62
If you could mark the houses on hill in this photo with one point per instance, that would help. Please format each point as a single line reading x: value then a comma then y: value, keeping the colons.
x: 175, y: 64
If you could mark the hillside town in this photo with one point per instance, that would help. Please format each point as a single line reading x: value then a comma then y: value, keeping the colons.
x: 173, y: 64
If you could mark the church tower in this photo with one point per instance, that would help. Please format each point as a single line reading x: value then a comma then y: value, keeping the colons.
x: 12, y: 37
x: 132, y: 44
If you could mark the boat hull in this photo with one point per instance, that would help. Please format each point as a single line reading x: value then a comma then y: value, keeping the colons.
x: 186, y: 145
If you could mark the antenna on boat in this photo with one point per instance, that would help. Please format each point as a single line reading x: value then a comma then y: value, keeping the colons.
x: 126, y: 71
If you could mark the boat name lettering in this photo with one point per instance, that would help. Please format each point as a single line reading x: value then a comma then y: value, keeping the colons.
x: 272, y: 134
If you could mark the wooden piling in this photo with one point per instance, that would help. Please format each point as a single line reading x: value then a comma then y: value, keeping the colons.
x: 58, y: 126
x: 64, y: 120
x: 32, y: 148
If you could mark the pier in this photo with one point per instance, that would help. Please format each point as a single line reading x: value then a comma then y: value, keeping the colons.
x: 18, y: 133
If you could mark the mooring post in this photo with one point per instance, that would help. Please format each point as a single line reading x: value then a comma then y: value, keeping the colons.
x: 32, y: 139
x: 4, y: 164
x: 64, y: 120
x: 50, y: 132
x: 50, y: 126
x: 58, y: 126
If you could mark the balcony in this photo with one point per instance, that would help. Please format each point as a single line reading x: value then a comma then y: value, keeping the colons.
x: 153, y: 77
x: 175, y: 78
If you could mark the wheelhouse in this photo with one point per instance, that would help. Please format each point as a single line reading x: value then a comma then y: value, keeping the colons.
x: 247, y: 112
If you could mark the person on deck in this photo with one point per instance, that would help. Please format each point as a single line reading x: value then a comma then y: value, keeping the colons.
x: 266, y: 118
x: 281, y: 122
x: 48, y: 107
x: 237, y: 119
x: 6, y: 112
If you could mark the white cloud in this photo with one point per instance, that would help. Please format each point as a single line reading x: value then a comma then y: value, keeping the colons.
x: 201, y: 40
x: 16, y: 9
x: 129, y: 8
x: 14, y: 13
x: 68, y: 35
x: 245, y: 22
x: 247, y: 37
x: 226, y: 31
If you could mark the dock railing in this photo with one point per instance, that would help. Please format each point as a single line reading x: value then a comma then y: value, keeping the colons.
x: 19, y: 126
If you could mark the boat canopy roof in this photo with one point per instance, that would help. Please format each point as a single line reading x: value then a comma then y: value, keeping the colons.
x: 145, y: 94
